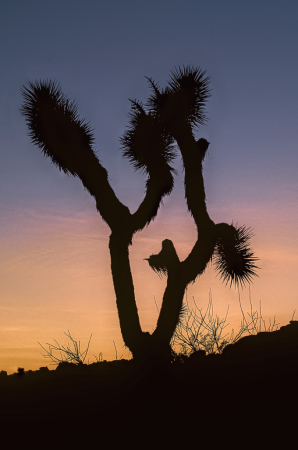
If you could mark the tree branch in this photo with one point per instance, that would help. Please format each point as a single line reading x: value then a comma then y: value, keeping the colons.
x: 55, y: 127
x: 156, y: 188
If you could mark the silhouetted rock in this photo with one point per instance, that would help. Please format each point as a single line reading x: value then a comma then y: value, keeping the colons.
x: 254, y: 379
x: 20, y: 372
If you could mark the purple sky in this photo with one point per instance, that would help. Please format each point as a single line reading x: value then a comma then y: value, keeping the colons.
x: 100, y: 53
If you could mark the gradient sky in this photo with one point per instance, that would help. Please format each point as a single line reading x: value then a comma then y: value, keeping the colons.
x: 54, y: 259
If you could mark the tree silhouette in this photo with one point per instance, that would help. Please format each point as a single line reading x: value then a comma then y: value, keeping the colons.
x: 155, y: 133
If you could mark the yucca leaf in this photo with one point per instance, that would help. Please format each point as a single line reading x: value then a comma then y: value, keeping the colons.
x: 166, y: 259
x: 146, y: 144
x: 190, y: 91
x: 55, y: 127
x: 159, y: 101
x: 184, y: 99
x: 233, y: 258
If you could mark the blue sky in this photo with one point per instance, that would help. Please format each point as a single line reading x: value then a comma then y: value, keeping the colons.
x: 100, y: 53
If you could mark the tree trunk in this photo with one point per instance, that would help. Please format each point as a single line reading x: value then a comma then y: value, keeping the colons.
x: 124, y: 290
x: 144, y: 347
x: 171, y: 307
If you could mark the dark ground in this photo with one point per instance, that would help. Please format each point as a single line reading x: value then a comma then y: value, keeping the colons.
x: 247, y: 395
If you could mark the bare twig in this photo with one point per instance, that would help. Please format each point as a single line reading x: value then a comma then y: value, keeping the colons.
x: 99, y: 358
x: 199, y: 334
x: 74, y: 356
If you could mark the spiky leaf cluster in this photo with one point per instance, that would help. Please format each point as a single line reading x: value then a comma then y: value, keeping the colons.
x: 183, y: 100
x: 233, y: 258
x: 146, y: 144
x: 157, y: 265
x: 166, y: 259
x: 182, y: 313
x: 54, y: 125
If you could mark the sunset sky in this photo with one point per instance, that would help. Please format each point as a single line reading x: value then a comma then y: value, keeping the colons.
x: 54, y: 259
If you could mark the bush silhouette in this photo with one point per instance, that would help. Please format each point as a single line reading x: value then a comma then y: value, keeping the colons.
x: 196, y: 334
x: 74, y: 356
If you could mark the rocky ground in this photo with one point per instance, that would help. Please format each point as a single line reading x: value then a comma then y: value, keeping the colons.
x: 251, y: 386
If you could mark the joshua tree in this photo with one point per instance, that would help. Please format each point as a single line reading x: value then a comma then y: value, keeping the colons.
x: 155, y: 132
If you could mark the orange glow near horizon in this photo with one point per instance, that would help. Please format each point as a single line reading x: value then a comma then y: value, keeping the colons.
x: 56, y: 277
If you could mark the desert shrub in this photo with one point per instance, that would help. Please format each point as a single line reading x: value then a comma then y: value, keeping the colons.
x: 196, y: 333
x: 66, y: 353
x: 69, y: 355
